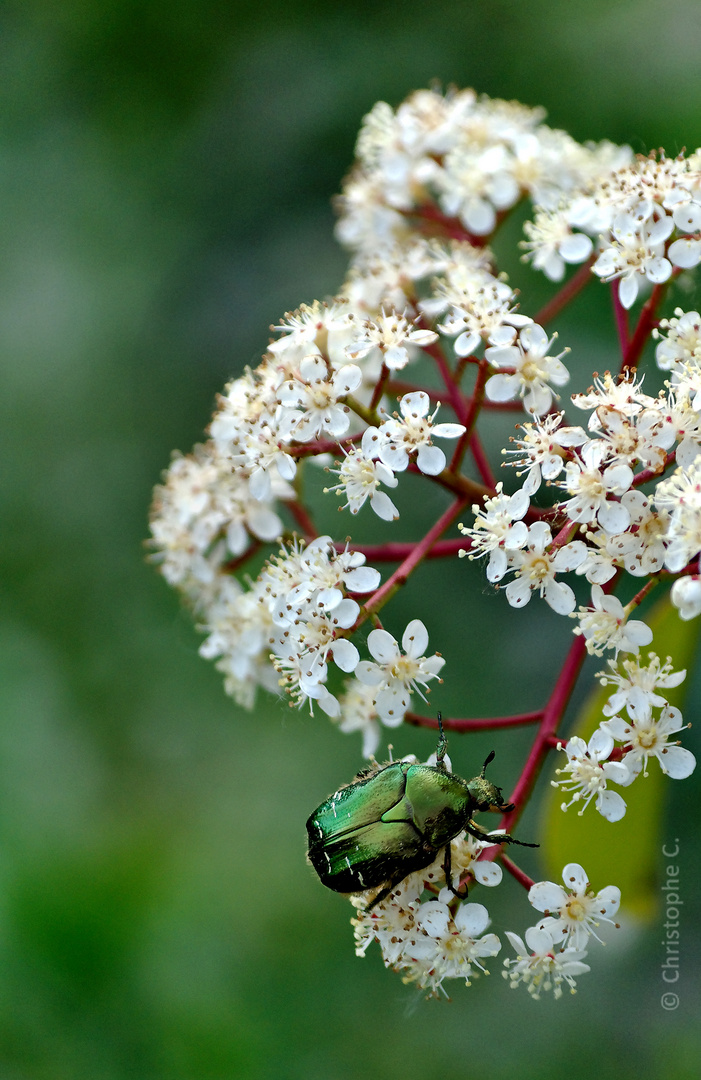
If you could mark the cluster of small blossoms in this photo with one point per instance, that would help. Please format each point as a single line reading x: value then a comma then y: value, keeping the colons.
x: 555, y: 947
x: 347, y: 388
x: 606, y: 524
x: 472, y: 158
x: 640, y: 224
x: 644, y: 732
x: 429, y: 936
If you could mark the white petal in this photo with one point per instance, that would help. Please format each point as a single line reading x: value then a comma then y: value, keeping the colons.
x: 502, y: 387
x: 560, y: 597
x: 415, y: 639
x: 547, y: 896
x: 383, y: 506
x: 613, y: 518
x: 576, y: 248
x: 685, y: 253
x: 382, y: 646
x: 362, y: 580
x: 677, y: 762
x: 415, y: 403
x: 447, y: 431
x: 518, y: 592
x: 345, y: 655
x: 628, y: 290
x: 369, y: 674
x: 610, y: 805
x: 487, y: 873
x: 534, y: 339
x: 575, y: 878
x: 472, y: 919
x: 638, y: 632
x: 466, y: 343
x: 430, y: 460
x: 601, y: 742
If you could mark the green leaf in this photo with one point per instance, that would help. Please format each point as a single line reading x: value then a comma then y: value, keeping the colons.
x: 625, y: 852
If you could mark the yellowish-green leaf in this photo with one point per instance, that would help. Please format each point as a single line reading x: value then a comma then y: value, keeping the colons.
x: 625, y: 852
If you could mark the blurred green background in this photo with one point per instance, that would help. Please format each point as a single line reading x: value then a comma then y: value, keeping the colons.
x: 165, y: 180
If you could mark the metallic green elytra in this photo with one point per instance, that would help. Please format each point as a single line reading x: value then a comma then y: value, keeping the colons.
x: 393, y: 820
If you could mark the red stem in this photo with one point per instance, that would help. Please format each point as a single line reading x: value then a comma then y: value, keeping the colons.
x: 517, y: 872
x: 457, y: 400
x: 648, y: 317
x: 301, y: 516
x: 416, y: 555
x: 621, y: 316
x: 483, y: 466
x: 488, y: 723
x: 395, y: 551
x: 568, y: 291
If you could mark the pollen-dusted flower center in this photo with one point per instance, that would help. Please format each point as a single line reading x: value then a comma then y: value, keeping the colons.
x: 531, y: 371
x: 539, y: 568
x: 577, y: 909
x: 646, y: 739
x: 591, y: 485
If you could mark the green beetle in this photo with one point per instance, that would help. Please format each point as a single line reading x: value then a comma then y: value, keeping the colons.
x: 391, y: 821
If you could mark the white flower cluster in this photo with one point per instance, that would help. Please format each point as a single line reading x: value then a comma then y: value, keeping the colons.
x: 217, y: 504
x: 425, y: 321
x: 428, y: 936
x: 555, y: 948
x: 606, y: 523
x: 294, y: 620
x: 641, y: 734
x: 472, y: 157
x: 641, y: 221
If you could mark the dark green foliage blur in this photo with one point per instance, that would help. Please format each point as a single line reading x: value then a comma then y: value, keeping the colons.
x: 166, y: 172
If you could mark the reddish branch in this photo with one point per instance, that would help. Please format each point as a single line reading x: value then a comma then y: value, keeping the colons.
x: 488, y: 723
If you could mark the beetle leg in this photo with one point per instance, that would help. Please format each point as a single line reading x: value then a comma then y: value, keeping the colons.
x: 500, y: 838
x: 447, y: 870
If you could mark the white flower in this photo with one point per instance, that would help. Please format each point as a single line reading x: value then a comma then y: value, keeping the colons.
x: 606, y: 625
x: 543, y: 968
x: 686, y: 596
x: 590, y: 489
x: 360, y: 477
x: 311, y: 403
x: 391, y: 336
x: 573, y: 912
x: 465, y: 853
x: 536, y: 568
x: 450, y: 944
x: 589, y: 772
x: 429, y: 942
x: 682, y: 345
x: 642, y: 551
x: 635, y: 251
x: 358, y: 713
x: 498, y: 530
x: 623, y: 394
x: 637, y: 688
x: 533, y: 370
x: 542, y: 451
x: 414, y: 432
x: 680, y: 495
x: 395, y: 675
x: 647, y: 737
x: 551, y: 243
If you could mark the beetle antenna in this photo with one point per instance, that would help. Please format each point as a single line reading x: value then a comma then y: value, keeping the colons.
x: 490, y: 757
x: 442, y: 743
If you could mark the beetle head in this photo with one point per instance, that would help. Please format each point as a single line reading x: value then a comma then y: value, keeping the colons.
x: 488, y: 796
